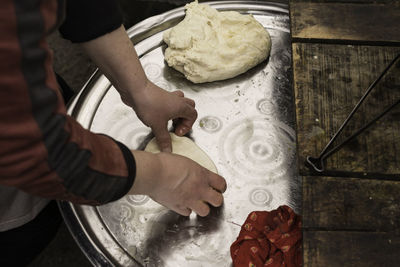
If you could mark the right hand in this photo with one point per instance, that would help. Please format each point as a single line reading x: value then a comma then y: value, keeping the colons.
x: 155, y: 107
x: 177, y: 183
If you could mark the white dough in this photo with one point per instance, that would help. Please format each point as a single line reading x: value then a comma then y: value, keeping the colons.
x: 185, y: 147
x: 209, y: 45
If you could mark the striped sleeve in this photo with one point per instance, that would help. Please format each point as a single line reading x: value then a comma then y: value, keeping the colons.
x: 43, y: 151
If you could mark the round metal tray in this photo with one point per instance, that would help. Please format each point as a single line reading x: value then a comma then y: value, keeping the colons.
x: 245, y: 125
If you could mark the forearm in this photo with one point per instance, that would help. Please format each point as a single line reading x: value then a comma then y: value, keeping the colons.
x: 116, y: 57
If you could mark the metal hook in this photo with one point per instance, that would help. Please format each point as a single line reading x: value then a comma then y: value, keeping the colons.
x: 318, y: 163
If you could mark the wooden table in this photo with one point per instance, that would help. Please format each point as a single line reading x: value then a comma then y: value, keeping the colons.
x: 351, y: 212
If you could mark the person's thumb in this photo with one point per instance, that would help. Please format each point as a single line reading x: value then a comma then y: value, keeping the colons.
x: 163, y: 139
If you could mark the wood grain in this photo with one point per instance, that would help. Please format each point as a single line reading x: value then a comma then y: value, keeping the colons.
x: 346, y: 22
x: 351, y: 204
x: 350, y: 249
x: 328, y: 82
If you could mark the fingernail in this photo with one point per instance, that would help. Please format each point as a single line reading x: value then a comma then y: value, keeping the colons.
x: 182, y: 130
x: 167, y: 150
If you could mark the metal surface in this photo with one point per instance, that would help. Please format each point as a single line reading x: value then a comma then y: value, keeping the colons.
x: 245, y: 125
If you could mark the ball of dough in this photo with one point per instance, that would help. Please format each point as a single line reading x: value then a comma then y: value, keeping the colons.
x: 185, y: 147
x: 209, y: 45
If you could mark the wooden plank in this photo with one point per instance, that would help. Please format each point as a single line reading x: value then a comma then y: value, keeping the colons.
x: 368, y: 22
x: 351, y: 204
x: 328, y: 81
x: 350, y: 249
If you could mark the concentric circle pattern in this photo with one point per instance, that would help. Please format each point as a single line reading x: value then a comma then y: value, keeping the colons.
x: 118, y: 213
x: 260, y: 197
x: 152, y: 70
x: 258, y: 149
x: 210, y: 124
x: 137, y: 200
x: 265, y: 106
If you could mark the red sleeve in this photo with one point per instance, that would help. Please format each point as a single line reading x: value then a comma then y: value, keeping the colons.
x: 43, y: 151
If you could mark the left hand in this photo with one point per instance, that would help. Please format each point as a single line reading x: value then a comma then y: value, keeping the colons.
x: 117, y: 58
x: 155, y: 107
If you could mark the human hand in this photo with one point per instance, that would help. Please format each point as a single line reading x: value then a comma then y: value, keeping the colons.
x: 155, y: 107
x: 177, y: 183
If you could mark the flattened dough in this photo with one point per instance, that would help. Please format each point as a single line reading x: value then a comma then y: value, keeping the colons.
x: 185, y: 147
x: 209, y: 45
